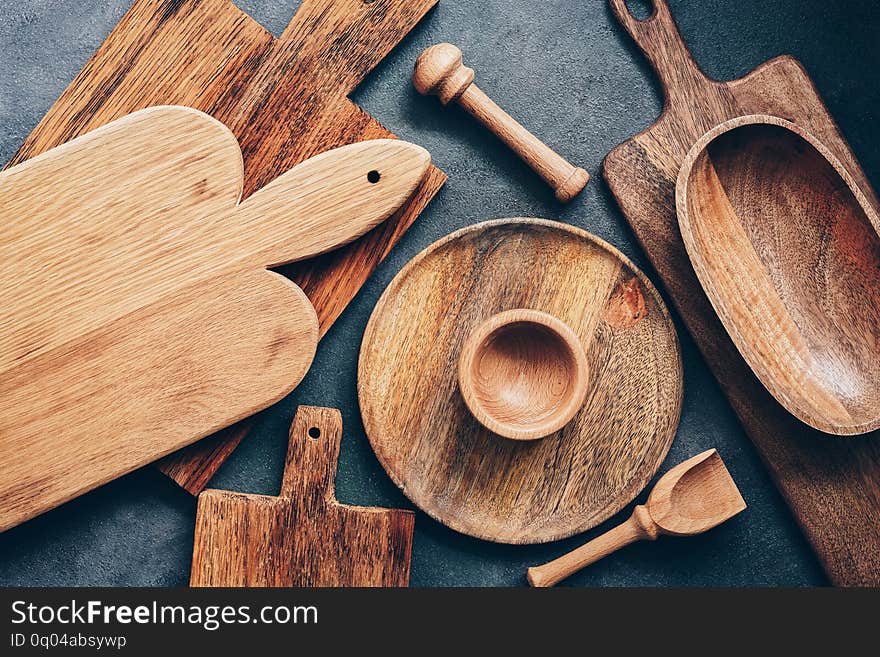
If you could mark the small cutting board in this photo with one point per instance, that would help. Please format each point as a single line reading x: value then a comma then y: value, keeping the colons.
x: 303, y: 537
x: 831, y: 484
x: 285, y: 99
x: 137, y: 314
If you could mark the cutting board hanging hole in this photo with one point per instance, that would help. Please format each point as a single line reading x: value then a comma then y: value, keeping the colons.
x: 374, y: 176
x: 314, y: 433
x: 641, y: 10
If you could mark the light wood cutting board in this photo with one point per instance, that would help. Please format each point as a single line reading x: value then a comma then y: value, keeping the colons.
x: 138, y: 315
x: 285, y: 99
x: 303, y: 537
x: 832, y: 484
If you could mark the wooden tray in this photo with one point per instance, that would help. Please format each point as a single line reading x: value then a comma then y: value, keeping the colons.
x: 480, y: 483
x: 831, y: 484
x: 285, y: 99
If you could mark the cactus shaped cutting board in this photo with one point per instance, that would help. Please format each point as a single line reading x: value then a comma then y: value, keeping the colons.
x: 138, y: 314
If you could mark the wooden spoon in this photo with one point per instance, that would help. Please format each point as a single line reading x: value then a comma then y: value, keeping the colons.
x: 693, y: 497
x: 786, y: 247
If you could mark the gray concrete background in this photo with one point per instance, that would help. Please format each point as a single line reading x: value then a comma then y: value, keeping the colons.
x: 570, y: 73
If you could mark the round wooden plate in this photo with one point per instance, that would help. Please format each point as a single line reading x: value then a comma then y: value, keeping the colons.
x: 480, y: 483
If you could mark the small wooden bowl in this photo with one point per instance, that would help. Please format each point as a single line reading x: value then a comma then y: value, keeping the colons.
x: 523, y: 374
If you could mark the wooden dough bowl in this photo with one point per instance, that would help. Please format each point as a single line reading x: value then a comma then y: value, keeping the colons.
x: 785, y: 246
x: 452, y: 466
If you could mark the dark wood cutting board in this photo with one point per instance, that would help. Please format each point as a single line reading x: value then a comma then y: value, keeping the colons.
x: 285, y: 100
x: 831, y: 483
x: 303, y: 537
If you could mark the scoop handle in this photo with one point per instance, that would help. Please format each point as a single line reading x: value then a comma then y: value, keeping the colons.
x: 660, y: 40
x: 639, y: 527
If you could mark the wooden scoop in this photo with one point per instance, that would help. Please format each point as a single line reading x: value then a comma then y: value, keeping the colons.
x: 693, y: 497
x: 785, y: 245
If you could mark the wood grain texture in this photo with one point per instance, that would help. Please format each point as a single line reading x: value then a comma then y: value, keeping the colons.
x: 692, y: 498
x: 193, y: 467
x: 787, y: 250
x: 833, y: 486
x: 120, y: 251
x: 303, y: 537
x: 461, y: 473
x: 523, y: 374
x: 439, y: 71
x: 284, y: 99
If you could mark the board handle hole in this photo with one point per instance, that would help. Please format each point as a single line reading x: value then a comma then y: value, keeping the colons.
x: 373, y: 177
x: 641, y: 10
x: 314, y: 433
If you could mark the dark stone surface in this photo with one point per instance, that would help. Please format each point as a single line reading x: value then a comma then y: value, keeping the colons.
x: 568, y: 72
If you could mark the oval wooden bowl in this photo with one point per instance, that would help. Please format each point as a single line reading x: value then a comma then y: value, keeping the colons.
x: 786, y: 247
x: 460, y: 472
x: 523, y: 374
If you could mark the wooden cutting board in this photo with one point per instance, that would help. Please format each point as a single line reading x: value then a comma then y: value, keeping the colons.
x: 832, y: 484
x: 303, y: 537
x: 285, y: 99
x: 460, y: 472
x: 138, y: 315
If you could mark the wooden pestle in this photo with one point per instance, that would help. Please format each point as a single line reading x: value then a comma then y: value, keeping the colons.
x: 439, y: 71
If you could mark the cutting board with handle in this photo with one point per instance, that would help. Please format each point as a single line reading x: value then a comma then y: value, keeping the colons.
x: 138, y: 315
x: 303, y: 537
x: 285, y: 99
x: 832, y: 484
